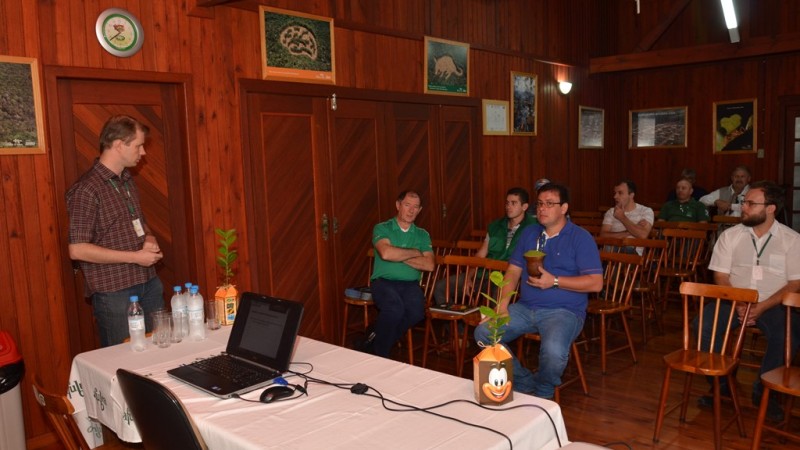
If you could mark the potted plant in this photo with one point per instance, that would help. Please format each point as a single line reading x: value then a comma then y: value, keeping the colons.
x: 493, y: 370
x: 226, y: 296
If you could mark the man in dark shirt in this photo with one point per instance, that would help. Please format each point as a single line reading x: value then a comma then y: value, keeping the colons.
x: 108, y: 234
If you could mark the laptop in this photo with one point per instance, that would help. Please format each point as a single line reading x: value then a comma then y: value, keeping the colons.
x: 259, y: 348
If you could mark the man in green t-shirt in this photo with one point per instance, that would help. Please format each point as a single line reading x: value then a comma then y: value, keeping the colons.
x: 501, y: 237
x: 402, y: 251
x: 684, y: 208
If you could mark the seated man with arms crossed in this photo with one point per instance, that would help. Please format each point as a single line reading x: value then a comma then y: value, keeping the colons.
x: 402, y: 251
x: 501, y: 237
x: 554, y: 304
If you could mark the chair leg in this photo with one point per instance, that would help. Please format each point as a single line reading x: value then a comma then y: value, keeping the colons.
x: 762, y: 414
x: 628, y: 334
x: 603, y: 343
x: 579, y: 365
x: 662, y: 404
x: 718, y: 415
x: 687, y: 388
x: 344, y: 324
x: 425, y: 342
x: 644, y: 319
x: 736, y: 408
x: 410, y: 342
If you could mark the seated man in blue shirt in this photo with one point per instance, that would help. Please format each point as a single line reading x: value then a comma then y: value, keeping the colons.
x: 553, y: 304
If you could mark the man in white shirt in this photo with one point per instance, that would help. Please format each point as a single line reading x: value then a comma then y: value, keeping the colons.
x: 627, y: 218
x: 761, y: 254
x: 728, y: 199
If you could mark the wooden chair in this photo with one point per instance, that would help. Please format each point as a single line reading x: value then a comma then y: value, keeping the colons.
x: 694, y: 360
x: 467, y: 248
x: 477, y: 235
x: 785, y: 380
x: 574, y: 357
x: 586, y: 215
x: 609, y: 244
x: 620, y: 274
x: 711, y: 230
x: 364, y: 304
x: 59, y: 411
x: 726, y: 220
x: 442, y: 247
x: 594, y: 230
x: 472, y: 276
x: 684, y: 249
x: 646, y: 287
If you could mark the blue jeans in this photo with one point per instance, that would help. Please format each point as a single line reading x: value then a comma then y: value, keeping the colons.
x: 111, y: 309
x: 558, y: 329
x: 401, y: 305
x: 772, y: 324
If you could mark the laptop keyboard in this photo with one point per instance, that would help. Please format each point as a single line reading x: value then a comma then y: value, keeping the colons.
x: 236, y: 371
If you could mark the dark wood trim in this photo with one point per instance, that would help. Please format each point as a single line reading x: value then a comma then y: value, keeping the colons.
x: 655, y: 34
x: 755, y: 47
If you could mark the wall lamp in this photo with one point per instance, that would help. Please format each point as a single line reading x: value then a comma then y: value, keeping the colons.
x: 564, y: 87
x: 730, y: 20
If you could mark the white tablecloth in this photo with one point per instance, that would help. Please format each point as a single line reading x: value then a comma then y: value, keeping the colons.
x: 328, y: 417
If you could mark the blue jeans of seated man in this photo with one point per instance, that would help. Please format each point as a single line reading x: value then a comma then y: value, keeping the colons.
x: 772, y: 324
x: 558, y: 329
x: 111, y: 309
x: 401, y: 304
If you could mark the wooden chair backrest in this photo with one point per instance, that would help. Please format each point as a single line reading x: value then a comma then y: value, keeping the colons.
x: 654, y: 254
x: 426, y: 282
x: 472, y: 275
x: 684, y: 248
x: 619, y: 276
x: 59, y: 410
x: 586, y: 215
x: 728, y: 220
x: 594, y: 230
x: 609, y: 244
x: 478, y: 234
x: 467, y: 248
x: 581, y: 221
x: 790, y: 300
x: 442, y: 247
x: 716, y: 294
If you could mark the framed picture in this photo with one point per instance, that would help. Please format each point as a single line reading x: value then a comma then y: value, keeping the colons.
x: 21, y: 124
x: 523, y: 104
x: 591, y: 123
x: 495, y: 117
x: 735, y: 126
x: 662, y: 127
x: 296, y: 46
x: 446, y: 67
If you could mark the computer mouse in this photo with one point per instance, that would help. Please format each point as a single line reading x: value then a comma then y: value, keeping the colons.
x: 273, y: 393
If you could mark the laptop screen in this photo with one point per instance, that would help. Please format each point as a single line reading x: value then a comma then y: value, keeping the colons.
x: 265, y: 330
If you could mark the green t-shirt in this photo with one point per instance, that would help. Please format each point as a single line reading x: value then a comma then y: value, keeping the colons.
x: 691, y: 211
x: 415, y: 237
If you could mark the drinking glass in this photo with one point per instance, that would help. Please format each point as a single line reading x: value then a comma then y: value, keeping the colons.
x: 212, y: 316
x: 180, y: 325
x: 162, y: 328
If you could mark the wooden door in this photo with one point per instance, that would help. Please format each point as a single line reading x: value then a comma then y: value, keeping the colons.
x: 286, y: 155
x: 357, y: 138
x: 458, y: 170
x: 84, y: 105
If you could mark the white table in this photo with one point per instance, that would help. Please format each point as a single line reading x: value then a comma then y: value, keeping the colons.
x: 329, y: 417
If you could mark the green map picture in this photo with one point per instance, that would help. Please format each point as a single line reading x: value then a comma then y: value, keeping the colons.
x: 296, y: 42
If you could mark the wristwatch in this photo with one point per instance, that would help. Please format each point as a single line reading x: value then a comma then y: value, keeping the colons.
x: 555, y: 282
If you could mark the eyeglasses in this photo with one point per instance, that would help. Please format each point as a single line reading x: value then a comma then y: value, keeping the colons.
x: 547, y: 205
x: 750, y: 203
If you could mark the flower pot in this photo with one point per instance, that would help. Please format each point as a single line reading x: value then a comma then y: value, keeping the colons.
x: 493, y: 371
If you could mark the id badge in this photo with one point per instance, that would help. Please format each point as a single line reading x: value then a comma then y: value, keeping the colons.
x: 758, y: 273
x: 137, y: 226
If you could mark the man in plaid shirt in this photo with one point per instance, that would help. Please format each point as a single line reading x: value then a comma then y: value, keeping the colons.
x: 108, y: 234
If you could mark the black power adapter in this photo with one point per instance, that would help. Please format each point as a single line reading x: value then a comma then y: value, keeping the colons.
x: 359, y: 388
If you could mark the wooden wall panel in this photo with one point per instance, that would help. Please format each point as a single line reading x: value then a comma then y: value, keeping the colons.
x: 379, y: 47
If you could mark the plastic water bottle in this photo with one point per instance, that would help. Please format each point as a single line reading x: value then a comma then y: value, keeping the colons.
x: 178, y: 305
x: 136, y: 325
x: 197, y: 326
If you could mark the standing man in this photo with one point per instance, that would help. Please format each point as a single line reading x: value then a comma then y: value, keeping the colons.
x: 627, y: 218
x: 554, y: 304
x: 108, y: 234
x: 402, y: 251
x: 501, y: 236
x: 728, y: 199
x: 761, y: 254
x: 684, y: 208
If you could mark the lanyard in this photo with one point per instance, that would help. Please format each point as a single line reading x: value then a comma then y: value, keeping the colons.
x: 128, y: 202
x: 760, y: 252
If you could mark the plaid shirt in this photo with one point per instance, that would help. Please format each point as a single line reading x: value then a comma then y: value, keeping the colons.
x: 101, y: 208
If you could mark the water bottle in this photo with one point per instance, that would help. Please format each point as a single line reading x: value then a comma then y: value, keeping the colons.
x: 136, y: 325
x: 178, y: 305
x: 197, y: 326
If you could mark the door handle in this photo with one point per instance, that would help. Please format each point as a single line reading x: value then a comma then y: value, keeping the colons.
x: 324, y: 227
x: 335, y: 225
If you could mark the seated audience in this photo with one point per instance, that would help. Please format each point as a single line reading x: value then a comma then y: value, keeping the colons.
x: 684, y: 208
x: 691, y: 175
x: 728, y: 199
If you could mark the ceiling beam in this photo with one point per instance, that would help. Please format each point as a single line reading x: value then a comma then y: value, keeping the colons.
x: 655, y: 34
x: 754, y: 47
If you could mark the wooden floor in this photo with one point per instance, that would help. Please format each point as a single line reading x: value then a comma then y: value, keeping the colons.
x: 621, y: 406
